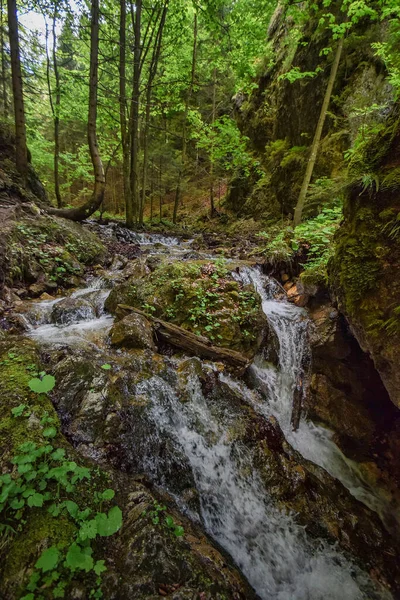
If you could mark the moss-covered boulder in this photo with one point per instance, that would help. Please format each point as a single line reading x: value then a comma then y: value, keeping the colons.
x: 202, y: 297
x: 133, y: 331
x: 45, y: 252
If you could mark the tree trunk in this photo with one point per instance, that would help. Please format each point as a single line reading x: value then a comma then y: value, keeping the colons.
x: 134, y: 174
x: 122, y: 114
x: 152, y: 74
x: 213, y: 115
x: 56, y: 115
x: 317, y: 136
x: 21, y: 152
x: 3, y: 63
x: 189, y: 342
x: 83, y: 212
x: 187, y: 105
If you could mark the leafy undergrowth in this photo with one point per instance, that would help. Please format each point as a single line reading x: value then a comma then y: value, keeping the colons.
x: 53, y: 510
x: 311, y: 241
x: 50, y: 249
x: 200, y: 296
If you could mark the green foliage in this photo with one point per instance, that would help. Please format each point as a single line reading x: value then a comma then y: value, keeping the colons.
x: 43, y: 385
x: 312, y: 239
x: 43, y: 476
x: 160, y: 517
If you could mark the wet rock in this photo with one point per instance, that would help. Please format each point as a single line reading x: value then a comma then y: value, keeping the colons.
x: 155, y: 563
x: 296, y: 296
x: 133, y: 331
x: 72, y: 310
x: 201, y: 297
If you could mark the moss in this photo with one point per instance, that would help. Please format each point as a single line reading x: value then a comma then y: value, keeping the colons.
x: 199, y: 296
x: 18, y: 360
x: 40, y: 531
x: 50, y: 248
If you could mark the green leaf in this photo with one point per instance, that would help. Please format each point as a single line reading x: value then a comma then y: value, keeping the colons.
x: 28, y: 597
x: 58, y: 454
x: 110, y: 523
x: 88, y: 530
x: 72, y: 508
x: 99, y: 567
x: 42, y: 386
x: 106, y: 367
x: 179, y: 531
x: 17, y: 504
x: 48, y: 559
x: 108, y: 494
x: 49, y: 432
x: 78, y: 559
x: 36, y: 500
x: 18, y: 410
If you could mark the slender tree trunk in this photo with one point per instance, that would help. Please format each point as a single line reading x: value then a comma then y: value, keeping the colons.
x: 3, y: 63
x: 56, y: 113
x: 187, y: 106
x: 134, y: 166
x: 152, y: 74
x: 213, y: 115
x: 317, y: 136
x: 122, y: 114
x: 151, y: 191
x: 21, y: 151
x: 160, y: 180
x: 83, y: 212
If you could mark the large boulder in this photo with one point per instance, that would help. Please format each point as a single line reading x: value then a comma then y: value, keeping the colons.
x: 201, y: 297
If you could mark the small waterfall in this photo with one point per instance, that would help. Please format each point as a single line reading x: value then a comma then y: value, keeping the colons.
x: 277, y: 386
x: 265, y: 542
x: 186, y: 440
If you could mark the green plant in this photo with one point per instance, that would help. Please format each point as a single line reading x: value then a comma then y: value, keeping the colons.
x: 158, y: 512
x: 44, y: 477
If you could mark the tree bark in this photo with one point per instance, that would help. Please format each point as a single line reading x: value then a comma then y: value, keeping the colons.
x: 213, y: 115
x: 152, y: 74
x: 3, y: 63
x: 56, y: 114
x: 187, y: 105
x: 83, y: 212
x: 317, y: 136
x: 122, y: 113
x: 21, y: 152
x: 134, y: 128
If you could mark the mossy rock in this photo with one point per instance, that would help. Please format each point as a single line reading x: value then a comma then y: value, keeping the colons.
x: 202, y: 297
x: 43, y: 248
x: 364, y: 271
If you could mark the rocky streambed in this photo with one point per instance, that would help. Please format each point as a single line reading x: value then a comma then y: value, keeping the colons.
x: 269, y: 510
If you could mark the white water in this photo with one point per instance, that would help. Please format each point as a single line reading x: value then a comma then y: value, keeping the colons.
x: 277, y: 387
x: 265, y: 542
x: 272, y: 550
x: 82, y: 328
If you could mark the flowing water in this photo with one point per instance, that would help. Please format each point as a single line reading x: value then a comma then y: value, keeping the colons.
x: 266, y: 543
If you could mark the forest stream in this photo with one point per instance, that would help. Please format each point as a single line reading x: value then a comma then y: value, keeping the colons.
x: 189, y: 442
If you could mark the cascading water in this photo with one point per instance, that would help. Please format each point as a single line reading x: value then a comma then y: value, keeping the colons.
x: 314, y: 443
x: 267, y: 544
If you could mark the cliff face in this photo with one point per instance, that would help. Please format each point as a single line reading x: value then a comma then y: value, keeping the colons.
x: 280, y: 116
x: 365, y: 270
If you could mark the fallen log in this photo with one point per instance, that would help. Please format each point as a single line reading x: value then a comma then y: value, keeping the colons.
x: 189, y: 342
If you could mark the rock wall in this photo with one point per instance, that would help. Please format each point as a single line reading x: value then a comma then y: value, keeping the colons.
x: 365, y: 270
x: 280, y: 117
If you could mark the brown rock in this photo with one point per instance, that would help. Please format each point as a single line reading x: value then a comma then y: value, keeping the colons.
x: 296, y: 297
x: 133, y: 331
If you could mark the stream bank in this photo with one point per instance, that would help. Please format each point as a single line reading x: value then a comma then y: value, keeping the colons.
x: 221, y: 447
